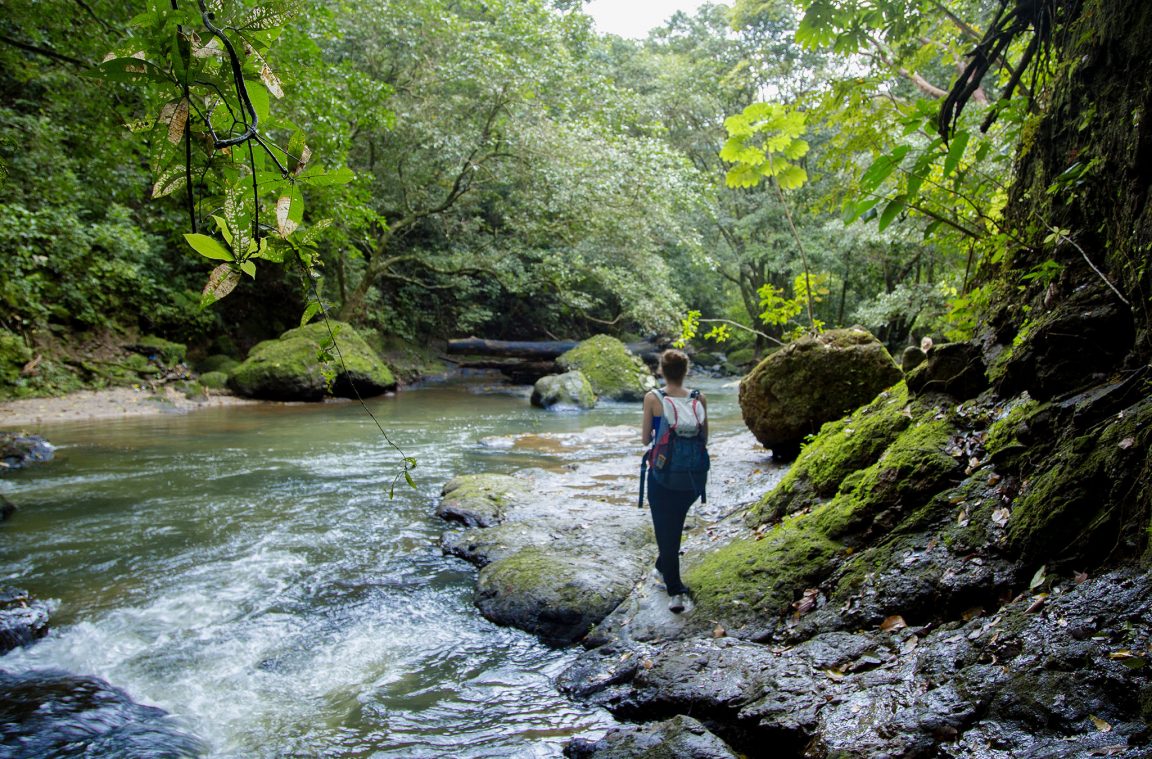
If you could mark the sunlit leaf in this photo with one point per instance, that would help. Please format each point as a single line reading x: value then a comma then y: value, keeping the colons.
x: 221, y: 281
x: 208, y: 247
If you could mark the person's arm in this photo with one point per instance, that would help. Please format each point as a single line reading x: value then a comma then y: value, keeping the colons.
x: 649, y: 413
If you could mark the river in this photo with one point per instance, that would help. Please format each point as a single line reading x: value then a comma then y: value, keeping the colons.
x: 260, y: 573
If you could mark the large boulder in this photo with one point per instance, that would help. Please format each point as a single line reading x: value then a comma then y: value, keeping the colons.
x: 563, y: 391
x: 614, y: 372
x: 291, y: 368
x: 812, y: 381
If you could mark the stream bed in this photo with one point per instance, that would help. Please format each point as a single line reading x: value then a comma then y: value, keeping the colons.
x: 264, y: 574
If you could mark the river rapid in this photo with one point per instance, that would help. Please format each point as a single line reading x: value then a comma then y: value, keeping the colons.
x: 264, y: 573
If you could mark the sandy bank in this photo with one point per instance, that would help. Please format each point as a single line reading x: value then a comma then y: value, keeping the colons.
x: 27, y: 413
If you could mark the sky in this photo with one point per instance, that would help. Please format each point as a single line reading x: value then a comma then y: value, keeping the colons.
x: 633, y: 18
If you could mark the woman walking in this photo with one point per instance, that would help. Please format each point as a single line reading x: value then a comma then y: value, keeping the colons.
x: 683, y: 410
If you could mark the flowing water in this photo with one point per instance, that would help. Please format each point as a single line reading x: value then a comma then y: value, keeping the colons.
x: 246, y: 570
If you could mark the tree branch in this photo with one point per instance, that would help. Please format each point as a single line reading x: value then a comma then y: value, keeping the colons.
x: 44, y: 51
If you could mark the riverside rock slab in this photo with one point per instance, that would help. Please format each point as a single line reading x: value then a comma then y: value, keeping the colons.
x: 814, y: 380
x: 479, y: 500
x: 681, y: 737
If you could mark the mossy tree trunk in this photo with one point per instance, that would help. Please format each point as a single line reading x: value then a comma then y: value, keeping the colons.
x: 1086, y: 169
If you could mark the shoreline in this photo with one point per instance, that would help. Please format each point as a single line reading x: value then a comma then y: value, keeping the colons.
x: 25, y: 414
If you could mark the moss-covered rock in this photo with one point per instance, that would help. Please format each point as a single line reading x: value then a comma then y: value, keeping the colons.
x: 814, y: 380
x: 612, y: 370
x: 842, y: 448
x: 217, y: 362
x: 480, y: 500
x: 555, y: 595
x: 563, y: 391
x: 292, y: 368
x: 759, y: 577
x: 159, y: 350
x: 953, y: 368
x: 214, y: 380
x: 1089, y: 497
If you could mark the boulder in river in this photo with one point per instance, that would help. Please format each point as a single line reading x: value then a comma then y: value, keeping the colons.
x: 22, y: 619
x: 293, y: 367
x: 53, y: 713
x: 570, y: 390
x: 17, y: 451
x: 814, y: 380
x: 480, y: 500
x: 613, y: 371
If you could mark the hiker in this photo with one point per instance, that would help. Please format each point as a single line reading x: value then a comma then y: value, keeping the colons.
x: 672, y: 409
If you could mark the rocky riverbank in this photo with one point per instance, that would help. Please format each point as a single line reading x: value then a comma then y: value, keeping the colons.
x: 883, y: 598
x: 110, y: 403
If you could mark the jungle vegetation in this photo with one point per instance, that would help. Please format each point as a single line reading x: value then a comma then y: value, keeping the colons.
x: 216, y: 171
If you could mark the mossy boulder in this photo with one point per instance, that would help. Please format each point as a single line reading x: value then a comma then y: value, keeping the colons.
x: 292, y: 368
x: 217, y: 362
x: 842, y: 448
x: 555, y: 595
x: 214, y: 381
x: 754, y: 580
x: 563, y: 391
x: 814, y: 380
x: 480, y: 500
x: 612, y: 370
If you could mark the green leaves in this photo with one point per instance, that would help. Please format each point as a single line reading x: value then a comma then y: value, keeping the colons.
x: 765, y: 141
x: 208, y: 247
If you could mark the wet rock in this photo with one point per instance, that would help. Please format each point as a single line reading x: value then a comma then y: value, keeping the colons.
x: 1075, y: 344
x: 956, y: 369
x: 558, y: 559
x: 18, y: 450
x: 291, y: 368
x: 612, y: 370
x: 52, y: 713
x: 479, y: 500
x: 570, y: 390
x: 23, y: 619
x: 681, y: 737
x: 812, y: 381
x: 911, y: 358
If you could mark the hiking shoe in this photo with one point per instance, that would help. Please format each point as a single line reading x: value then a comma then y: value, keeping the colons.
x: 676, y: 603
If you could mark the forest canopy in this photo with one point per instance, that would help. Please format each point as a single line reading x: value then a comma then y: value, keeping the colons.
x: 212, y: 172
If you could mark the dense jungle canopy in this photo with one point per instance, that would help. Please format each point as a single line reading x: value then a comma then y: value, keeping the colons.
x: 435, y: 168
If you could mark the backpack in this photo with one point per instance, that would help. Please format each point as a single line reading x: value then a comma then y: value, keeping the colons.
x: 679, y: 457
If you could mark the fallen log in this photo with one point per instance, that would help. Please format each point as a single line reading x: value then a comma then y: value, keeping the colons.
x: 533, y: 349
x: 543, y: 349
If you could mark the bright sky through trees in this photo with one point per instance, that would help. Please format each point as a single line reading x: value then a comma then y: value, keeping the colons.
x: 633, y: 18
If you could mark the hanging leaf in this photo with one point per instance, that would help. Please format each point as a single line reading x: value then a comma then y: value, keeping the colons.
x: 271, y: 81
x: 956, y: 151
x: 313, y: 308
x: 882, y: 168
x: 169, y: 181
x: 221, y: 281
x: 178, y: 122
x: 208, y: 247
x: 891, y: 211
x: 249, y: 268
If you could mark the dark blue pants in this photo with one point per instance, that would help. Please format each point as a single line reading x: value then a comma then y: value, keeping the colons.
x: 669, y: 508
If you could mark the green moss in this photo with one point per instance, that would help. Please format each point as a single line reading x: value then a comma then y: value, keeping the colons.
x: 1002, y: 433
x: 840, y: 449
x: 610, y: 368
x: 1088, y: 499
x: 742, y: 358
x: 214, y: 380
x: 166, y: 352
x: 14, y: 354
x: 757, y: 577
x: 290, y: 368
x: 217, y: 363
x: 911, y: 470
